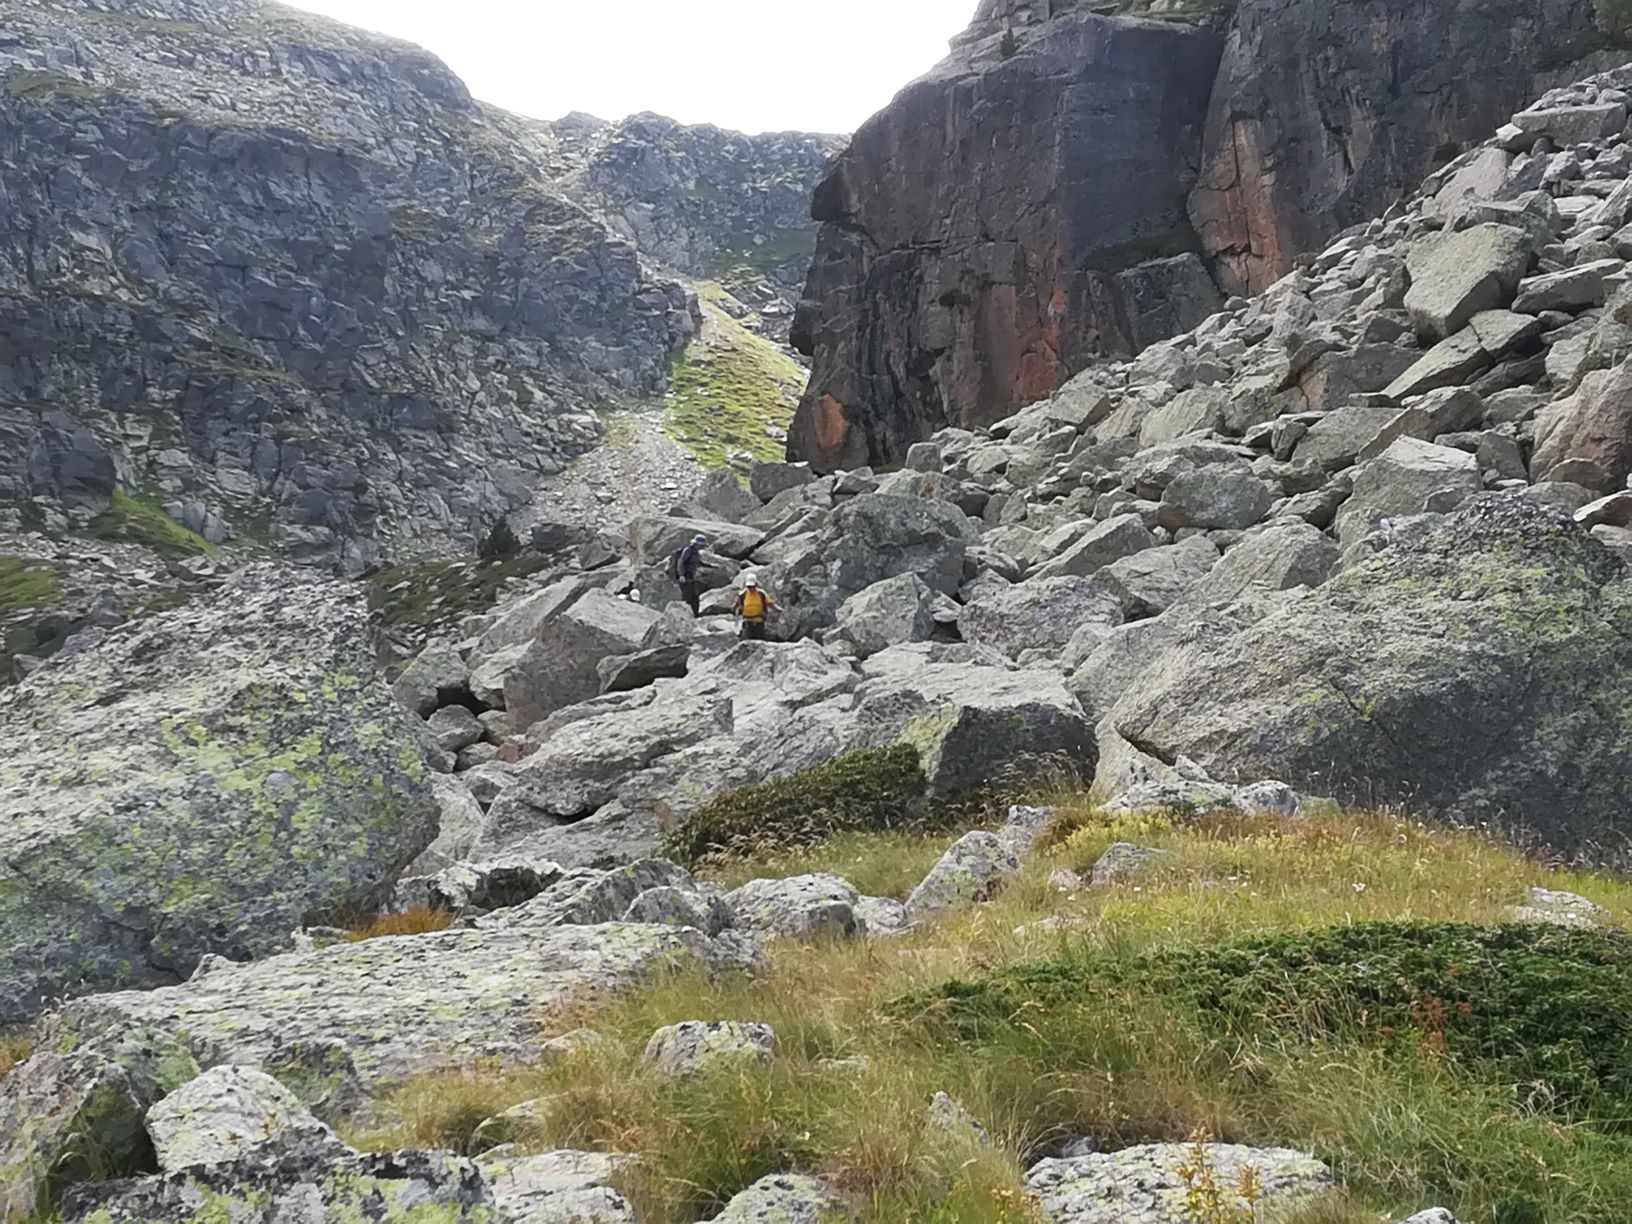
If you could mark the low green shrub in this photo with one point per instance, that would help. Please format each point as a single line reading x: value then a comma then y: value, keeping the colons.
x: 1543, y: 1010
x: 879, y: 790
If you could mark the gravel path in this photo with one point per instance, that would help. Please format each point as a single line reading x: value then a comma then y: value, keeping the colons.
x: 638, y: 470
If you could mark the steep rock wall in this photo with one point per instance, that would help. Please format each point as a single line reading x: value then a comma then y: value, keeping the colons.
x: 1325, y: 113
x: 975, y: 232
x: 1047, y: 194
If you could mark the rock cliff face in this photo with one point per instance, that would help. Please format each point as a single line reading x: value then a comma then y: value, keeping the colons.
x: 259, y: 261
x: 1068, y: 184
x: 706, y: 203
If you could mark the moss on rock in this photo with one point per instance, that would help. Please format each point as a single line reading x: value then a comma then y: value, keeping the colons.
x: 876, y: 791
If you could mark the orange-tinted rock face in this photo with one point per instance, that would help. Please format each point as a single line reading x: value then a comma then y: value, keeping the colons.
x: 1325, y: 113
x: 1094, y: 184
x: 977, y: 231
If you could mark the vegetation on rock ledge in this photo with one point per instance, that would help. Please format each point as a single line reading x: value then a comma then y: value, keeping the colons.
x: 1252, y: 987
x: 728, y: 389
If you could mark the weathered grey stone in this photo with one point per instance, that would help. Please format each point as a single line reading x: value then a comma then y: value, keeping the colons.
x: 230, y: 1113
x: 1040, y: 614
x: 696, y: 1047
x: 436, y: 677
x: 1151, y: 582
x: 455, y: 727
x: 1123, y: 860
x: 974, y: 724
x: 560, y: 1187
x: 950, y: 1118
x: 1143, y: 1185
x: 1112, y: 540
x: 1400, y: 482
x: 518, y: 623
x: 888, y: 613
x: 1456, y: 275
x: 766, y: 480
x: 200, y: 782
x: 787, y: 1198
x: 1337, y: 438
x: 1571, y: 125
x: 332, y: 1025
x: 1466, y: 669
x: 1570, y: 289
x: 721, y: 496
x: 973, y: 869
x: 1215, y: 496
x: 1556, y: 908
x: 1449, y: 363
x: 459, y: 825
x: 621, y: 673
x: 798, y: 907
x: 1594, y: 423
x: 385, y: 1185
x: 559, y: 668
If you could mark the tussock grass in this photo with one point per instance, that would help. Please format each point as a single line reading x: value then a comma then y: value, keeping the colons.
x: 1139, y: 1057
x: 417, y: 921
x: 14, y: 1047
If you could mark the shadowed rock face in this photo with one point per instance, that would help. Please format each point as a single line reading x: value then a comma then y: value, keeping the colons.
x: 974, y: 231
x: 1323, y: 114
x: 1067, y: 185
x: 263, y: 261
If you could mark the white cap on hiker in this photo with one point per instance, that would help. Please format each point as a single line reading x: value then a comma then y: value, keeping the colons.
x: 751, y: 580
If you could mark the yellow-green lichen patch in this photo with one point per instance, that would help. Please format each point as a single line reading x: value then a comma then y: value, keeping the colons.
x: 730, y: 390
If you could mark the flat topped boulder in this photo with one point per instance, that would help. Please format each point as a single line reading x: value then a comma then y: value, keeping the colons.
x: 1145, y: 1185
x: 336, y: 1026
x: 200, y: 782
x: 1482, y: 668
x: 1458, y: 274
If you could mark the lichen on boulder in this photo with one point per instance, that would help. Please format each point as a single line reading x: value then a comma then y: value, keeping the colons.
x: 205, y: 781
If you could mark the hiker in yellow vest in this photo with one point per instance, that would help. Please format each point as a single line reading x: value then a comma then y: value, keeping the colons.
x: 753, y: 606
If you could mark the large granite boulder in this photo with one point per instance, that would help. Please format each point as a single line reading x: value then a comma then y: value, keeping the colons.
x: 337, y: 1026
x: 1042, y: 614
x: 562, y: 665
x: 1594, y: 423
x: 1481, y: 668
x: 204, y: 781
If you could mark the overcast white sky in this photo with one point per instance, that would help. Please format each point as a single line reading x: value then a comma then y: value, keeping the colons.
x: 753, y: 65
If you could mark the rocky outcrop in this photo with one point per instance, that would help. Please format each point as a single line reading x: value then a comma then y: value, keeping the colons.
x: 201, y: 782
x: 1470, y: 671
x: 707, y: 203
x: 292, y: 272
x: 1323, y: 113
x: 1039, y: 186
x: 1068, y: 184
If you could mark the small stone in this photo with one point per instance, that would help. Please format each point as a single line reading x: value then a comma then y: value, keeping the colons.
x: 696, y: 1047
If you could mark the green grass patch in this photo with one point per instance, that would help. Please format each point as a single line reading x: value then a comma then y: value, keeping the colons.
x: 433, y: 595
x: 140, y: 519
x: 39, y: 86
x: 878, y: 864
x: 25, y: 585
x: 875, y: 791
x: 740, y: 255
x: 1297, y: 983
x: 14, y: 1047
x: 726, y: 388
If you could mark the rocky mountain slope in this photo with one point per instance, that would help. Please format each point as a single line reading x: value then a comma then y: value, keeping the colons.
x: 708, y: 204
x: 290, y: 282
x: 601, y: 912
x: 1080, y: 179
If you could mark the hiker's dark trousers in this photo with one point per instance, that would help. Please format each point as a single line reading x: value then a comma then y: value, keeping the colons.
x: 692, y: 593
x: 753, y: 631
